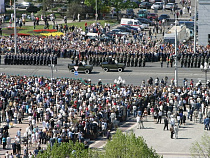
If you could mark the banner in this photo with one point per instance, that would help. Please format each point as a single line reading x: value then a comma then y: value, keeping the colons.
x: 2, y: 6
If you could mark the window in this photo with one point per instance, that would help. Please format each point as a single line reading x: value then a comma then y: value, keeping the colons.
x: 209, y: 38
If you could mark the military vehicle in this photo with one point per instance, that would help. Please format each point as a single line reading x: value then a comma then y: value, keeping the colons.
x: 80, y: 68
x: 114, y: 65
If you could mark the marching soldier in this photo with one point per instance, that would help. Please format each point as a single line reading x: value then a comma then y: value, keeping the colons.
x: 191, y: 61
x: 100, y: 59
x: 185, y: 60
x: 34, y: 59
x: 121, y: 59
x: 97, y: 60
x: 118, y: 58
x: 182, y: 60
x: 124, y: 59
x: 37, y: 59
x: 139, y: 61
x: 198, y: 61
x: 94, y: 60
x: 90, y: 60
x: 161, y: 61
x: 9, y: 59
x: 188, y: 61
x: 128, y: 61
x: 56, y: 59
x: 30, y: 59
x: 6, y: 59
x: 144, y: 61
x: 132, y: 61
x: 41, y: 59
x: 15, y: 59
x: 135, y: 61
x: 195, y: 61
x: 202, y: 60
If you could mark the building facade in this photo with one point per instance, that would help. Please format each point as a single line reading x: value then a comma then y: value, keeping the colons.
x: 203, y: 22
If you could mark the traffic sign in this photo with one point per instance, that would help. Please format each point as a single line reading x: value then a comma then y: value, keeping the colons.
x: 75, y: 73
x: 76, y: 67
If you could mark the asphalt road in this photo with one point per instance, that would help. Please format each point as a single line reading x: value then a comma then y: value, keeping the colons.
x: 132, y: 75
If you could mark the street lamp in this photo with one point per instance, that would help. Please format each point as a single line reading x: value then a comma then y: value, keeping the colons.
x: 52, y: 66
x: 96, y: 10
x: 27, y: 145
x: 195, y: 18
x: 205, y: 68
x: 15, y: 32
x: 175, y: 61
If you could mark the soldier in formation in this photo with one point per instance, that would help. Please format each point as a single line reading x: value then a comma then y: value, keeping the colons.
x: 30, y: 59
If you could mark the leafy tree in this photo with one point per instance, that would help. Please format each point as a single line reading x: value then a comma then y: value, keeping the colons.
x: 121, y: 4
x: 71, y: 150
x: 128, y: 145
x: 121, y: 146
x: 201, y: 148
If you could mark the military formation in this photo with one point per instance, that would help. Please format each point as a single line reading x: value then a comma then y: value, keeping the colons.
x: 193, y: 60
x: 129, y: 60
x: 29, y: 59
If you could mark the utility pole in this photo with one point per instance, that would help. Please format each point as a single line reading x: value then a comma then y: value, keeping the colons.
x: 15, y: 32
x: 175, y: 62
x: 195, y: 20
x: 96, y: 10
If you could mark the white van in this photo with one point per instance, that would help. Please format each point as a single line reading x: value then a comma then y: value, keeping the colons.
x: 132, y: 22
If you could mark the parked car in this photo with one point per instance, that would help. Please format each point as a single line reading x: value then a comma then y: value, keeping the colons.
x: 129, y: 12
x: 170, y: 6
x: 164, y: 16
x: 132, y: 28
x: 152, y: 16
x: 146, y: 21
x: 80, y: 68
x: 33, y: 9
x: 157, y: 5
x: 117, y: 32
x: 145, y: 5
x: 106, y: 66
x: 124, y: 29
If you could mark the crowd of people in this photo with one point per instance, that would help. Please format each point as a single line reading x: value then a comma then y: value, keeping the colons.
x: 77, y: 110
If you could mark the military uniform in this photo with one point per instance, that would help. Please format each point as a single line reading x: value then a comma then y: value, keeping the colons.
x: 132, y: 61
x: 139, y: 61
x: 195, y: 61
x: 144, y: 61
x: 135, y: 61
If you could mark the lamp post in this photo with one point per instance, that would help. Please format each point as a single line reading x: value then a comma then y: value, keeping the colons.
x: 15, y: 32
x: 205, y: 68
x: 195, y: 18
x: 96, y: 10
x: 175, y: 61
x: 27, y: 145
x: 52, y: 66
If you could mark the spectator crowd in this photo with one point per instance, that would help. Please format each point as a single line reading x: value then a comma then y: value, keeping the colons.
x: 78, y: 110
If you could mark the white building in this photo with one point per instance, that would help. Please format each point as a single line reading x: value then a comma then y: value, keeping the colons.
x: 204, y: 22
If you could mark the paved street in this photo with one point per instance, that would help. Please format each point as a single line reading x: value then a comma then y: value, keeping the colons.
x: 160, y: 140
x: 132, y: 75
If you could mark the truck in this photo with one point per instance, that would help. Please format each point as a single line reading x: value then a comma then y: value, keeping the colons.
x: 183, y: 34
x: 114, y: 65
x: 80, y: 68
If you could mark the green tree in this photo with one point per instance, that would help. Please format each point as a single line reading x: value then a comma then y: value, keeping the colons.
x: 201, y: 148
x: 121, y: 146
x: 128, y: 145
x: 70, y: 149
x: 121, y: 4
